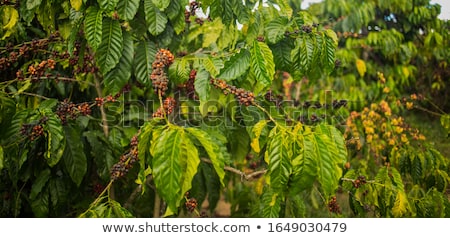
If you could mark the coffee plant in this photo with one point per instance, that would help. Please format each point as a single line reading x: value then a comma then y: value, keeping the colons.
x: 145, y: 108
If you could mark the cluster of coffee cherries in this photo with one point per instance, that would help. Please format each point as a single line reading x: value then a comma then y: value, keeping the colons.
x: 190, y: 85
x: 167, y: 108
x: 126, y: 161
x: 191, y: 203
x: 13, y: 53
x: 243, y: 96
x: 164, y: 58
x: 361, y: 180
x: 36, y: 71
x: 87, y: 64
x: 67, y: 109
x: 99, y: 101
x: 34, y: 130
x: 333, y: 206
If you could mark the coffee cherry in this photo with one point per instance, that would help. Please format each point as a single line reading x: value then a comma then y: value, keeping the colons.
x: 333, y: 206
x: 244, y: 97
x: 191, y: 204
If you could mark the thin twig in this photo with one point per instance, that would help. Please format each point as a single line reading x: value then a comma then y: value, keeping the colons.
x: 243, y: 175
x: 102, y: 109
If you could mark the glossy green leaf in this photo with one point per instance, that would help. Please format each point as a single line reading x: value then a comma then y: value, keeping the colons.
x: 212, y: 65
x: 145, y: 55
x: 31, y: 4
x: 75, y: 160
x: 119, y: 211
x: 56, y: 142
x: 39, y: 183
x: 302, y: 54
x: 190, y: 162
x: 179, y: 71
x: 127, y: 9
x: 329, y: 171
x: 108, y: 5
x: 236, y: 66
x: 156, y: 20
x: 272, y: 203
x: 118, y: 77
x: 40, y: 205
x: 275, y: 29
x: 202, y: 84
x: 110, y: 49
x: 93, y: 27
x: 279, y: 161
x: 58, y: 191
x: 167, y: 166
x: 262, y: 63
x: 161, y: 4
x: 213, y: 150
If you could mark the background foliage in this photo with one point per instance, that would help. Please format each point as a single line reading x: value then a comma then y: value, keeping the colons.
x: 142, y: 108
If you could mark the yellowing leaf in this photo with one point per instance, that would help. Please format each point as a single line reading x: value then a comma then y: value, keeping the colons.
x: 405, y: 71
x: 10, y: 15
x: 274, y: 199
x: 76, y: 4
x: 257, y: 129
x: 361, y: 67
x: 400, y: 205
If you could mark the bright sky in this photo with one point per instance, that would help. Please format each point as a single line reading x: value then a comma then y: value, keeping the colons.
x: 445, y: 7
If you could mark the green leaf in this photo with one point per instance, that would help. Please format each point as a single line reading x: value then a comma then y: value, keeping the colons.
x: 302, y: 54
x: 93, y: 27
x: 202, y: 85
x: 74, y: 157
x: 213, y: 150
x: 31, y: 4
x: 256, y: 130
x: 305, y: 165
x: 329, y: 172
x: 108, y: 5
x: 276, y: 28
x: 236, y: 66
x: 39, y: 183
x: 2, y: 159
x: 161, y: 4
x: 58, y: 191
x: 272, y: 203
x: 179, y: 71
x: 279, y: 162
x: 156, y: 20
x: 282, y: 54
x: 110, y: 49
x: 55, y: 140
x: 119, y: 211
x: 144, y: 141
x: 48, y: 105
x: 127, y: 9
x: 40, y: 205
x: 167, y: 170
x: 331, y: 44
x: 212, y: 65
x: 116, y: 79
x: 262, y: 63
x: 190, y: 163
x: 101, y: 153
x: 145, y: 55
